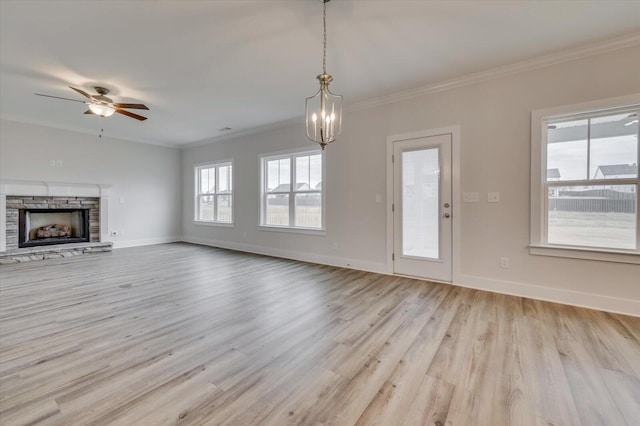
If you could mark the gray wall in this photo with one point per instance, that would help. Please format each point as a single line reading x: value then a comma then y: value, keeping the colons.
x: 145, y: 177
x: 494, y: 118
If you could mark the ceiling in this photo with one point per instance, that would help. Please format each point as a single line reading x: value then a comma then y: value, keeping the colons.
x: 205, y: 65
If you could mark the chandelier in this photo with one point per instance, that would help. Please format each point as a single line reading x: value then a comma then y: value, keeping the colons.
x: 323, y: 111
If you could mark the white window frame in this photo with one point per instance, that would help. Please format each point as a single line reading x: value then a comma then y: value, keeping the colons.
x: 539, y: 185
x: 291, y: 154
x: 212, y: 165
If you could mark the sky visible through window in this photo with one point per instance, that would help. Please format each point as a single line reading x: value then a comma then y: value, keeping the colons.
x: 570, y: 158
x: 614, y: 140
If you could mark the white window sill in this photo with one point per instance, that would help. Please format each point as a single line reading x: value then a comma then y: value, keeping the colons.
x: 208, y: 223
x: 586, y: 253
x: 308, y: 231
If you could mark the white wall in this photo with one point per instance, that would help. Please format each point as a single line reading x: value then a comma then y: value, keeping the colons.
x: 146, y: 177
x: 494, y: 118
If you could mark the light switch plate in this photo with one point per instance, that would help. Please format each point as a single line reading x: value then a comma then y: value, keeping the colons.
x: 470, y: 197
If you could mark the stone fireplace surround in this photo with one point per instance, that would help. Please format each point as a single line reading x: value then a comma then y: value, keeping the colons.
x: 21, y: 202
x: 15, y: 194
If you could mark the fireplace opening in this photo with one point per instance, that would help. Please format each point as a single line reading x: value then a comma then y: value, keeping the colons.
x: 41, y: 227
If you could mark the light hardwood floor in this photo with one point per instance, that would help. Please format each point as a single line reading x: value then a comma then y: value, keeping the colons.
x: 184, y: 334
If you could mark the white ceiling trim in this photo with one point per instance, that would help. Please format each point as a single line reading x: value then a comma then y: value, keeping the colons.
x: 515, y: 68
x: 605, y: 46
x: 246, y: 132
x: 27, y: 120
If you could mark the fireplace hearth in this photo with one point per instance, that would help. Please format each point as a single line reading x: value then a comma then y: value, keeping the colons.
x: 41, y: 227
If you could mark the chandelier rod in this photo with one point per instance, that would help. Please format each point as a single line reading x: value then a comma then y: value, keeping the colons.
x: 324, y: 45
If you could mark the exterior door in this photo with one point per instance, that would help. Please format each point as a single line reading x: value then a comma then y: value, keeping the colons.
x: 422, y: 224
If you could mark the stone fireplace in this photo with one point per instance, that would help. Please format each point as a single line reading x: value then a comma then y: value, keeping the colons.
x: 26, y: 214
x: 41, y: 220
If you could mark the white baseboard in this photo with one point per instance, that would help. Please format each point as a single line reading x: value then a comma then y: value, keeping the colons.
x: 342, y: 262
x: 145, y: 242
x: 532, y: 291
x: 550, y: 294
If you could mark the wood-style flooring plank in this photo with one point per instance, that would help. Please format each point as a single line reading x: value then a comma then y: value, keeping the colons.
x: 193, y: 335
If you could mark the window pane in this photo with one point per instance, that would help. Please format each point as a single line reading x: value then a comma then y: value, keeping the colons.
x: 279, y: 175
x: 308, y: 210
x: 205, y: 207
x: 277, y: 211
x: 315, y: 172
x: 224, y: 179
x: 614, y: 147
x: 567, y: 150
x: 302, y: 173
x: 224, y: 208
x: 207, y: 181
x: 593, y: 216
x: 420, y: 203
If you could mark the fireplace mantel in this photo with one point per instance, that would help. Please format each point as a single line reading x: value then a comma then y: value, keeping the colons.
x: 52, y: 189
x: 13, y: 187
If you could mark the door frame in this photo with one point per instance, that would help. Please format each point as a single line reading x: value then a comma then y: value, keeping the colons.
x: 456, y: 198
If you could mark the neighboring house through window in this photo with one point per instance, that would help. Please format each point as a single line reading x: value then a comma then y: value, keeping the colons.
x: 292, y: 194
x: 618, y: 171
x: 587, y: 199
x: 214, y: 193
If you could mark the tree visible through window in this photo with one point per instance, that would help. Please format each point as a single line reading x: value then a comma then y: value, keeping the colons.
x: 214, y: 198
x: 292, y: 190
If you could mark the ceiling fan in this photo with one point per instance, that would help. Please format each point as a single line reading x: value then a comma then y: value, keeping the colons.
x: 101, y: 105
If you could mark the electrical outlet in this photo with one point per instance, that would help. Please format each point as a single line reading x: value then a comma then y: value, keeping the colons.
x: 114, y: 233
x: 504, y: 262
x: 493, y: 197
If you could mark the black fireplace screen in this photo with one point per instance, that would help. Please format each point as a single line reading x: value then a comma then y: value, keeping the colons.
x: 39, y: 227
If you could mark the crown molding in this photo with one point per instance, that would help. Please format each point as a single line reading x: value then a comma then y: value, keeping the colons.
x: 246, y: 132
x: 49, y: 124
x: 567, y: 55
x: 583, y: 51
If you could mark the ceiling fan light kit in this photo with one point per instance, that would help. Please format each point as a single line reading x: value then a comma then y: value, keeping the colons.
x: 101, y: 109
x: 323, y: 111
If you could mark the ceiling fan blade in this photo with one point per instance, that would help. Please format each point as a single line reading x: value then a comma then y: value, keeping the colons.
x: 130, y: 114
x: 88, y: 111
x: 58, y: 97
x: 82, y: 92
x: 131, y: 106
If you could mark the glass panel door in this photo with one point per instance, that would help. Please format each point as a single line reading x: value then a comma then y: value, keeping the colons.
x: 422, y: 224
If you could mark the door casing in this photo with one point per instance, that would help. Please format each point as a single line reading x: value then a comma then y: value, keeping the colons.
x: 456, y: 195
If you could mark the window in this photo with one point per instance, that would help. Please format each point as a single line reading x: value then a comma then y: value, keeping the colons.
x: 214, y: 193
x: 292, y: 193
x: 585, y: 180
